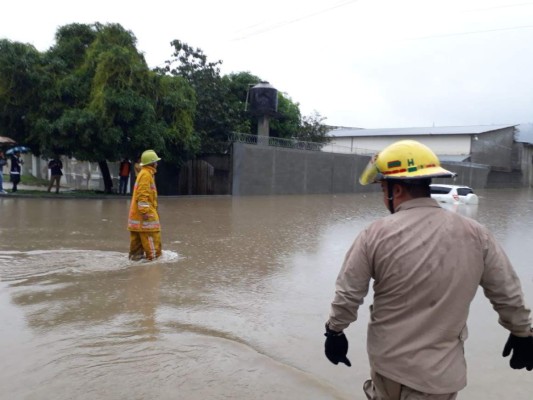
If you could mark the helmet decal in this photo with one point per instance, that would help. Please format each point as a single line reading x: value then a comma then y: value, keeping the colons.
x: 394, y: 164
x: 404, y: 160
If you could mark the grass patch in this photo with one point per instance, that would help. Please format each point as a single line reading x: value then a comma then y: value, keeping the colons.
x: 33, y: 181
x: 28, y: 180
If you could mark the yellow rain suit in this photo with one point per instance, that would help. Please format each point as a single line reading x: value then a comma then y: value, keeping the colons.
x: 143, y: 219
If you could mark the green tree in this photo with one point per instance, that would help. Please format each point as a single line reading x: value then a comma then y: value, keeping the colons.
x: 98, y: 100
x: 20, y: 80
x: 239, y: 86
x: 312, y: 129
x: 213, y: 116
x: 287, y: 122
x: 284, y: 124
x: 222, y: 99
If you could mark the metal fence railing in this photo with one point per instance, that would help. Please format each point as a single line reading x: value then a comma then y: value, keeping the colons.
x: 294, y: 144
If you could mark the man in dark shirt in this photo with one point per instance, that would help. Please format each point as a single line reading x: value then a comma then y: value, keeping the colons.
x: 56, y: 172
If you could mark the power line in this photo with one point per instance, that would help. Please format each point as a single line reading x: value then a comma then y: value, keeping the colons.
x: 502, y: 6
x: 281, y: 24
x: 471, y: 32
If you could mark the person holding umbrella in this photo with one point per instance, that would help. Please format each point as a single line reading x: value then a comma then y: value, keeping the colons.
x: 14, y: 173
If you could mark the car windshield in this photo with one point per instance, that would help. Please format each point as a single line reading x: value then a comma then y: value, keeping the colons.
x: 440, y: 190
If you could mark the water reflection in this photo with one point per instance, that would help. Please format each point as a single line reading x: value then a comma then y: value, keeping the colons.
x: 234, y: 309
x: 468, y: 210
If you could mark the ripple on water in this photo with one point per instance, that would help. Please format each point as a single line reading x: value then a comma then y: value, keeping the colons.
x: 16, y: 265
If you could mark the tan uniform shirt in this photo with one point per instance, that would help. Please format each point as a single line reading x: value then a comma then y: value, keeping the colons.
x: 427, y: 264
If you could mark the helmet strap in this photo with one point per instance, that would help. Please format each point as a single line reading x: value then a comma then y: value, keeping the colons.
x: 390, y: 195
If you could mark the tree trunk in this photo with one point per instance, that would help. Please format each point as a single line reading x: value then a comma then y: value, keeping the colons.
x: 106, y: 176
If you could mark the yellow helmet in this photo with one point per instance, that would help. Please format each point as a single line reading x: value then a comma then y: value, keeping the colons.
x: 149, y: 157
x: 404, y: 160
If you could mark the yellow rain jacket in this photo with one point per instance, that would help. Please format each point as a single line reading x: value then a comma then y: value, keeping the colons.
x: 143, y: 216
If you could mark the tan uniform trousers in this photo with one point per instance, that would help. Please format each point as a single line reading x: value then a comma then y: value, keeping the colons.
x: 145, y: 245
x: 381, y: 388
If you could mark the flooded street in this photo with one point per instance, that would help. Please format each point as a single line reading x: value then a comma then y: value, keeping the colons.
x: 235, y: 308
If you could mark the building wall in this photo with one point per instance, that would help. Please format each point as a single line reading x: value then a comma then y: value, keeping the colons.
x: 442, y: 144
x: 263, y: 170
x: 523, y: 161
x: 81, y: 175
x: 474, y: 175
x: 494, y: 149
x: 206, y: 175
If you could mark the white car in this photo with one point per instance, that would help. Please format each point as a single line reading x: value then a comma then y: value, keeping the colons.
x: 454, y: 194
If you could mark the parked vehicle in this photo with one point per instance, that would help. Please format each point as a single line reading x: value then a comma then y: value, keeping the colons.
x: 454, y: 194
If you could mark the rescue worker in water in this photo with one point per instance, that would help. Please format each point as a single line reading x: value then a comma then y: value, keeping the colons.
x: 426, y: 263
x: 143, y: 219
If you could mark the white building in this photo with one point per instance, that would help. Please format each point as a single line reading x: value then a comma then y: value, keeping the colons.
x: 447, y: 140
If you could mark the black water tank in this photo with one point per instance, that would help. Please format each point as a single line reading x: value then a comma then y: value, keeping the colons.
x: 263, y: 99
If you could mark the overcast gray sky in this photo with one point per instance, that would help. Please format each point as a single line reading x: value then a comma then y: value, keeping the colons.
x: 359, y: 63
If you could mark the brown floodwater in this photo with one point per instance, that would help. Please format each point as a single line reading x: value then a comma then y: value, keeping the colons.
x: 234, y: 309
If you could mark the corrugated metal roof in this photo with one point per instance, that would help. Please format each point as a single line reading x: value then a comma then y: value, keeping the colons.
x: 435, y: 130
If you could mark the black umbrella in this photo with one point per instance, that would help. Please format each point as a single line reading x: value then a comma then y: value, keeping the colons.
x: 17, y: 149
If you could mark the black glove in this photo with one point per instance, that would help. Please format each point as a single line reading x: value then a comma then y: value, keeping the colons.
x: 522, y: 348
x: 336, y: 347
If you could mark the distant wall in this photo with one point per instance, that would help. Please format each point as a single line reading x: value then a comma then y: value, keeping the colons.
x: 263, y: 170
x: 523, y: 161
x: 494, y: 148
x: 469, y: 174
x: 206, y: 175
x: 76, y: 174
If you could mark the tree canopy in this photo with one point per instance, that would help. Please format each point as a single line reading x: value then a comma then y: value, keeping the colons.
x: 222, y: 107
x: 92, y: 96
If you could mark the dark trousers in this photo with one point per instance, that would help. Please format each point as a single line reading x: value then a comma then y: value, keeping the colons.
x: 123, y: 184
x: 15, y: 179
x: 54, y: 179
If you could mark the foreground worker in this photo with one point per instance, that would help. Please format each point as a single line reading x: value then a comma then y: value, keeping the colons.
x: 143, y: 220
x: 426, y: 263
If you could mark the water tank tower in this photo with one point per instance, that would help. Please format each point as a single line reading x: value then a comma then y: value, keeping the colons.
x: 264, y: 105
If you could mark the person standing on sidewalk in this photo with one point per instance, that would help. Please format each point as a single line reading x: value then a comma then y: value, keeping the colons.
x: 124, y: 171
x: 143, y: 218
x: 2, y: 163
x: 16, y: 169
x: 56, y: 167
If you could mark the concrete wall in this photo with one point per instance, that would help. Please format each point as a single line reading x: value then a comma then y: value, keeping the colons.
x: 523, y: 161
x: 262, y: 170
x: 76, y: 174
x: 494, y: 149
x: 474, y: 175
